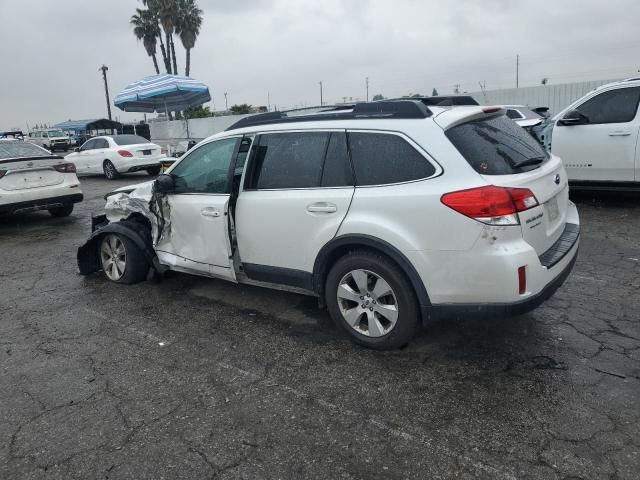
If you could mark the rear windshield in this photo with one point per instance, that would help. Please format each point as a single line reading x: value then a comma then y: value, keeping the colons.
x: 18, y: 149
x: 129, y: 139
x: 497, y: 146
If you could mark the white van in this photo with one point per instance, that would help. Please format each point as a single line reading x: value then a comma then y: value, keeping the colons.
x: 52, y: 139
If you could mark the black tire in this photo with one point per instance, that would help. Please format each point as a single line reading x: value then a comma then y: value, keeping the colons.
x: 109, y: 170
x: 408, y: 313
x: 153, y: 171
x: 63, y: 211
x: 136, y: 265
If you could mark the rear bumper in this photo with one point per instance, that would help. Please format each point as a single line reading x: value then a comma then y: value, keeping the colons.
x: 135, y: 164
x: 137, y: 168
x: 503, y: 309
x: 39, y: 204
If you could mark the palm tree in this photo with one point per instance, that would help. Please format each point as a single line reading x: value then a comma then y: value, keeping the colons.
x: 145, y: 28
x: 168, y: 15
x: 153, y: 8
x: 189, y: 23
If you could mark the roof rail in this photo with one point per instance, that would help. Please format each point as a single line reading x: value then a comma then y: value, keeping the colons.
x: 401, y: 109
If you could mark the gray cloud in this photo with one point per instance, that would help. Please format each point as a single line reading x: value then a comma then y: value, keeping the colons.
x: 250, y: 48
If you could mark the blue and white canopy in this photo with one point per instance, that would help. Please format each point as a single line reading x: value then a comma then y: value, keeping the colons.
x: 162, y: 93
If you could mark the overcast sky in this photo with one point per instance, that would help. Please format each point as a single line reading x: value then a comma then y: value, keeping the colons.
x: 251, y: 48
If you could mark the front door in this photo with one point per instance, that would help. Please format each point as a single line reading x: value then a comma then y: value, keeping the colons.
x: 604, y: 149
x: 82, y: 159
x: 297, y: 190
x: 198, y: 237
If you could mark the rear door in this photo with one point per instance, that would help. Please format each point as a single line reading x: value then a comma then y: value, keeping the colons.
x: 297, y: 189
x: 505, y: 155
x: 605, y: 148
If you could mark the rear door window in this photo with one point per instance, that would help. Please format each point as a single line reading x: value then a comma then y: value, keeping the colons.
x: 615, y: 106
x: 288, y: 160
x: 384, y: 158
x: 497, y: 146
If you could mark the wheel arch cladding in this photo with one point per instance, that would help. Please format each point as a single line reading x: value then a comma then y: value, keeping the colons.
x: 87, y: 255
x: 339, y: 246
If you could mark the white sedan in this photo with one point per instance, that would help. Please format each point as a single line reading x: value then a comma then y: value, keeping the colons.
x: 117, y: 154
x: 32, y: 179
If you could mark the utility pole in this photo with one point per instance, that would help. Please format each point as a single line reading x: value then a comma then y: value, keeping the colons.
x: 320, y: 92
x: 268, y: 101
x: 366, y: 81
x: 226, y: 102
x: 517, y: 71
x: 104, y: 69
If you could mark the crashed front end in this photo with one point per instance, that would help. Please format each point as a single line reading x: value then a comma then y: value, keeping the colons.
x: 140, y: 214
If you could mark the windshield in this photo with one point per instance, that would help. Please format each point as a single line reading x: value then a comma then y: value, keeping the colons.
x: 56, y: 133
x: 497, y: 146
x: 129, y: 139
x: 16, y: 149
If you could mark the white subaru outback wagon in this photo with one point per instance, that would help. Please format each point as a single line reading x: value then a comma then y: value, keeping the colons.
x: 392, y: 213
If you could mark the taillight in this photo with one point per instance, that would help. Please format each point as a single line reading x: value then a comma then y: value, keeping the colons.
x: 2, y: 173
x: 65, y: 168
x: 491, y: 109
x: 491, y: 205
x: 163, y: 151
x: 125, y: 153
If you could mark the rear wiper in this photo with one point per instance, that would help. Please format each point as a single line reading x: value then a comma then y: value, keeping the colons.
x: 529, y: 161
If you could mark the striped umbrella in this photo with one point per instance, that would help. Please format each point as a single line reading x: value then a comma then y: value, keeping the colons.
x: 162, y: 93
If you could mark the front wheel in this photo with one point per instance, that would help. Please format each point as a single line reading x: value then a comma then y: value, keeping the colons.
x: 121, y: 260
x: 153, y: 171
x: 370, y: 298
x: 110, y: 170
x: 63, y: 211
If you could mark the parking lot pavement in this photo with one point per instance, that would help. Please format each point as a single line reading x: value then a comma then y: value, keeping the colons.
x: 196, y: 378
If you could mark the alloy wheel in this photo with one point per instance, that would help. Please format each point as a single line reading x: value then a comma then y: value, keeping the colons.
x: 113, y: 256
x: 367, y: 303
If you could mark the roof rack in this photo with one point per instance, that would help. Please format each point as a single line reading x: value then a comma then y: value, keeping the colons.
x: 401, y: 109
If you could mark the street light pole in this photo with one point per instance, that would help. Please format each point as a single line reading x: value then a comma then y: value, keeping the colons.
x: 367, y: 82
x: 104, y: 69
x: 320, y: 93
x: 226, y: 102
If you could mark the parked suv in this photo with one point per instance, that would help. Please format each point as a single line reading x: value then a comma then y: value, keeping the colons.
x: 596, y: 137
x: 51, y: 139
x: 391, y: 213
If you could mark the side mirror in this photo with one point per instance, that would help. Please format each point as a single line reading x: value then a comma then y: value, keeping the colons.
x: 164, y: 183
x: 77, y: 149
x: 573, y: 117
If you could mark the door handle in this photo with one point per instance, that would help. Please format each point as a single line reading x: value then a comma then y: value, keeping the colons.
x: 210, y: 212
x: 619, y: 134
x: 322, y: 207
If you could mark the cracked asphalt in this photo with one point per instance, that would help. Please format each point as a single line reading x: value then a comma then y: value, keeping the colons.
x: 196, y: 378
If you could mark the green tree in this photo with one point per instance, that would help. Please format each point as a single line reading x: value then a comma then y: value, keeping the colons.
x: 434, y: 93
x: 240, y: 109
x: 198, y: 112
x: 188, y: 27
x: 145, y: 28
x: 378, y: 97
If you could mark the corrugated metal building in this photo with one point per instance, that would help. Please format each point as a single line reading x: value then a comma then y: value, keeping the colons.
x: 556, y: 97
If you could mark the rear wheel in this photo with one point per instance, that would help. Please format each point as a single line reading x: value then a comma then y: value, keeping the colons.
x: 371, y: 299
x: 121, y: 260
x: 63, y: 211
x: 153, y: 171
x: 109, y: 170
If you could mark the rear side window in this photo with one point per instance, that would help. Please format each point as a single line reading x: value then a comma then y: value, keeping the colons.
x: 299, y: 160
x: 514, y: 114
x: 615, y: 106
x: 497, y: 146
x: 382, y: 158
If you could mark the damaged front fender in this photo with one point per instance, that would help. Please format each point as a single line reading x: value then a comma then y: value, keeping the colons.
x: 88, y: 254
